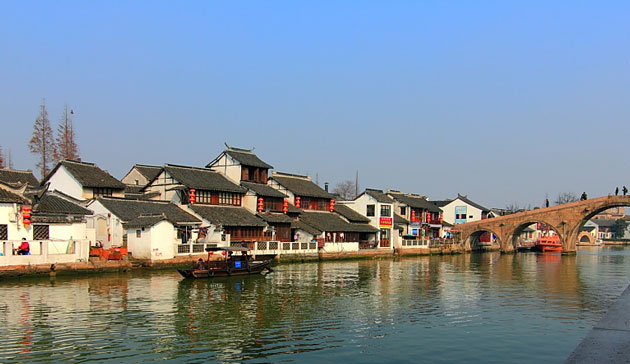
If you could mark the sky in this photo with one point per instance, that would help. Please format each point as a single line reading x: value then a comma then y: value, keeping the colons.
x: 506, y: 102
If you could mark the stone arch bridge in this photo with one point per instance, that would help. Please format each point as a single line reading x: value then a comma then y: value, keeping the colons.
x: 566, y: 220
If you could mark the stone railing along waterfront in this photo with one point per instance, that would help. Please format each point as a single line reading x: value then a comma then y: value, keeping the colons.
x: 44, y: 252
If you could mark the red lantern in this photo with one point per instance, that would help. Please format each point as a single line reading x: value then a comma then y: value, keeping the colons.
x: 428, y: 217
x: 298, y: 200
x: 332, y: 205
x: 26, y: 216
x: 413, y: 215
x: 285, y: 206
x: 261, y: 204
x: 441, y: 217
x: 192, y: 196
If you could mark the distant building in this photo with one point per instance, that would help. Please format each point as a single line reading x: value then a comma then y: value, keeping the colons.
x: 138, y: 178
x: 378, y: 208
x: 425, y: 218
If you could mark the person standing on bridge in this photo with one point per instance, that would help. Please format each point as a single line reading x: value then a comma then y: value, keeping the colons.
x: 617, y: 191
x: 583, y: 198
x: 624, y: 190
x: 546, y: 202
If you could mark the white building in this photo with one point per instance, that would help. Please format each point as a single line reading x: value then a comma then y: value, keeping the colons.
x: 378, y: 208
x: 461, y: 210
x: 82, y: 180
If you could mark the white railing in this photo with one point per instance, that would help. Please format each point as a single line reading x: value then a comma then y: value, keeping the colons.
x: 44, y: 252
x: 193, y: 248
x: 415, y: 243
x: 279, y: 248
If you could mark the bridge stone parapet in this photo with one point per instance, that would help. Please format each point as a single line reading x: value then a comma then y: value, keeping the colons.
x: 566, y: 220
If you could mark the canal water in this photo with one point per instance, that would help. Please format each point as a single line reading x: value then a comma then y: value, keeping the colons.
x: 486, y: 308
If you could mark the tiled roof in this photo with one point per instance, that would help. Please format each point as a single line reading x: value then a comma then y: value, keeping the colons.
x: 128, y: 210
x: 301, y: 186
x: 441, y: 203
x: 202, y: 179
x: 399, y: 219
x: 52, y: 204
x: 296, y: 224
x: 10, y: 197
x: 465, y: 199
x: 272, y: 217
x: 247, y: 158
x: 149, y: 172
x: 350, y: 214
x: 88, y: 175
x: 228, y: 215
x: 146, y: 220
x: 378, y: 195
x: 415, y: 202
x: 262, y: 189
x: 328, y: 221
x: 12, y: 177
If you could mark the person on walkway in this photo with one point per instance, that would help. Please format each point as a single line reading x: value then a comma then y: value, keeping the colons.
x: 25, y: 248
x: 624, y: 190
x: 584, y: 197
x: 546, y: 202
x: 617, y: 191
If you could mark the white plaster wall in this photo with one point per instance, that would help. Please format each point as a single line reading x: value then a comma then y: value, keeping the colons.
x: 16, y: 231
x: 161, y: 184
x: 74, y: 231
x: 449, y: 211
x: 63, y: 181
x: 228, y: 167
x: 341, y: 247
x: 113, y: 224
x: 139, y: 247
x: 250, y: 201
x: 279, y: 187
x: 163, y: 239
x: 132, y: 176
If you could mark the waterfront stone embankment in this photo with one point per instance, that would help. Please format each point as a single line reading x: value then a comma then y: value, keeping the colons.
x: 95, y: 265
x: 609, y: 341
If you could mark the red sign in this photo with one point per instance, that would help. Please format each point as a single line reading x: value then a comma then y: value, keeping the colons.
x: 385, y: 222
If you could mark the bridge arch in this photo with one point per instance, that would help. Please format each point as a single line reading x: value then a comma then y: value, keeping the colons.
x: 473, y: 240
x: 516, y: 233
x: 586, y: 237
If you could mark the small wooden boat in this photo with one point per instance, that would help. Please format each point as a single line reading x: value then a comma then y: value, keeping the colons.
x: 229, y: 264
x: 548, y: 244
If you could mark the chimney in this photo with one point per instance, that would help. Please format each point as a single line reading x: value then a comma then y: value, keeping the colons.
x: 326, y: 186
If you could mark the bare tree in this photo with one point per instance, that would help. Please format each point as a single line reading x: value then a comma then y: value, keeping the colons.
x: 42, y: 143
x: 65, y: 144
x: 512, y: 207
x: 346, y: 190
x: 2, y: 165
x: 565, y: 197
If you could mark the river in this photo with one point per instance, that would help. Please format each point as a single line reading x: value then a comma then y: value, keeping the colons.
x: 485, y: 308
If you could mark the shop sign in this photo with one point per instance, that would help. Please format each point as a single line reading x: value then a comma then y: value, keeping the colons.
x: 385, y: 222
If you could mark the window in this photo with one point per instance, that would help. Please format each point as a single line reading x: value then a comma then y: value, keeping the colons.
x: 138, y: 233
x: 403, y: 210
x: 370, y: 210
x: 41, y: 232
x: 386, y: 210
x: 98, y: 191
x: 228, y: 198
x: 4, y: 232
x: 204, y: 197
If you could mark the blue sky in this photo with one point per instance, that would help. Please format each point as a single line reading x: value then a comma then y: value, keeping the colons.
x: 502, y: 101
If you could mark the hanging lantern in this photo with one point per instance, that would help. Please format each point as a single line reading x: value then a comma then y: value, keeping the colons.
x: 26, y: 216
x: 261, y: 204
x: 428, y: 217
x: 285, y: 206
x: 298, y: 201
x: 192, y: 196
x: 413, y: 215
x: 332, y: 205
x: 441, y: 217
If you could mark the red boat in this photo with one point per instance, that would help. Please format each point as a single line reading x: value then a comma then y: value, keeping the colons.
x: 548, y: 244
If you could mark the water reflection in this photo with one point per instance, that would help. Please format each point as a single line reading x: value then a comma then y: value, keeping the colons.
x: 478, y: 307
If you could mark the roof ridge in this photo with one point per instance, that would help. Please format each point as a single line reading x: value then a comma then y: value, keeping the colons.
x: 284, y: 174
x: 190, y: 167
x: 78, y: 162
